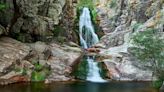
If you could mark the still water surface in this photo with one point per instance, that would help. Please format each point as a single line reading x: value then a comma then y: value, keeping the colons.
x: 80, y: 87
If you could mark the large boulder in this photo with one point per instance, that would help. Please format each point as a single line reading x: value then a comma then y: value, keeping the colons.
x: 11, y: 51
x: 17, y: 56
x: 60, y: 58
x: 61, y: 61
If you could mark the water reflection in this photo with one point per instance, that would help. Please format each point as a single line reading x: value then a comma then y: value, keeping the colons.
x: 80, y: 87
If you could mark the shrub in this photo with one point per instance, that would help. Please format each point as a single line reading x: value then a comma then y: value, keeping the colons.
x: 40, y: 72
x: 3, y: 6
x: 149, y: 47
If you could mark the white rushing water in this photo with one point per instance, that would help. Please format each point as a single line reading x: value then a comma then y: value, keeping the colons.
x: 88, y: 37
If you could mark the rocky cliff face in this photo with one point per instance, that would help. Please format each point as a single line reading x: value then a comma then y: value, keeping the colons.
x: 32, y: 20
x: 117, y: 20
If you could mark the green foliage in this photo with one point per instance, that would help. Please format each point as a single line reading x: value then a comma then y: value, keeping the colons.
x: 150, y: 47
x: 113, y: 4
x: 103, y: 71
x: 157, y: 84
x: 3, y: 6
x: 94, y: 15
x: 90, y: 4
x: 85, y: 3
x: 59, y: 33
x: 58, y: 30
x: 136, y: 26
x: 38, y: 76
x: 21, y: 70
x: 93, y: 12
x: 24, y: 71
x: 39, y: 73
x: 38, y: 67
x: 61, y: 39
x: 82, y: 70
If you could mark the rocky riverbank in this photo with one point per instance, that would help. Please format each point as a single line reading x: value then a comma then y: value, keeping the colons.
x: 18, y: 60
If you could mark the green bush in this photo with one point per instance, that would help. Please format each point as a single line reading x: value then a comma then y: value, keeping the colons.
x: 3, y: 6
x: 90, y: 4
x: 58, y: 31
x: 136, y: 26
x: 157, y: 84
x: 149, y: 47
x: 38, y: 76
x: 85, y: 3
x: 40, y: 72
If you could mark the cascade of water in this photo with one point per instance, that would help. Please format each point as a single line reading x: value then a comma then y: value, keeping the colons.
x: 88, y: 37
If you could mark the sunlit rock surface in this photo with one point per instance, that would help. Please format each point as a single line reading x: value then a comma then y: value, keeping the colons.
x: 16, y: 56
x: 117, y: 20
x: 60, y: 58
x: 11, y: 52
x: 61, y: 61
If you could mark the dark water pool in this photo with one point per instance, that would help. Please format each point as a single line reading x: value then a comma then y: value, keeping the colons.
x: 80, y: 87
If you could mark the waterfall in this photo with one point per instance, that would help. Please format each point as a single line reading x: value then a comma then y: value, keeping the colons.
x: 88, y: 38
x: 87, y: 35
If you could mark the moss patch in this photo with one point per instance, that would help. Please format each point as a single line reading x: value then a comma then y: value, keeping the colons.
x: 82, y: 69
x: 103, y: 70
x: 40, y: 72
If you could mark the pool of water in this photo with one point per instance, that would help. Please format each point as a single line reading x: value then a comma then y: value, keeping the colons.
x: 80, y: 87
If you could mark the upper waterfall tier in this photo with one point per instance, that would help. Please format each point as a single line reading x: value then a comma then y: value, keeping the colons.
x: 88, y: 37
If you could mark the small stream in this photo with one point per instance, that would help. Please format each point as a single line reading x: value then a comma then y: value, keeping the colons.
x: 80, y: 87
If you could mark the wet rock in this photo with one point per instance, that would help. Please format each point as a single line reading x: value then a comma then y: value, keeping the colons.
x: 10, y: 75
x: 14, y: 79
x: 92, y: 50
x: 19, y: 78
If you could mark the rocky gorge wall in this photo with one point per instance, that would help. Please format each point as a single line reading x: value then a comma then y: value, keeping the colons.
x: 32, y: 20
x: 118, y: 19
